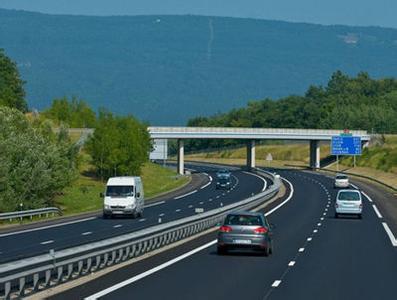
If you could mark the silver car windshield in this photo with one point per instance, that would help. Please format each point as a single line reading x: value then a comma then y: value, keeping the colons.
x: 120, y: 191
x: 243, y: 220
x: 349, y: 196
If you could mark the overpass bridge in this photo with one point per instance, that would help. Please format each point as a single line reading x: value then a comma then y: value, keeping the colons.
x: 313, y: 136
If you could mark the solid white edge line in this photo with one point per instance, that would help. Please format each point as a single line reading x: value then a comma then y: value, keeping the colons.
x: 188, y: 194
x: 264, y: 181
x: 390, y: 234
x: 46, y: 227
x: 285, y: 201
x: 204, y: 186
x: 355, y: 186
x: 177, y: 259
x: 366, y: 196
x: 149, y: 272
x: 377, y: 211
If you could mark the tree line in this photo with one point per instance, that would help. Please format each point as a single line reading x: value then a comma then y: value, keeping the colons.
x: 344, y: 103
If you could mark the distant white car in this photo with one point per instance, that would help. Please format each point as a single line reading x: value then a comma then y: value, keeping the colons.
x: 341, y: 181
x: 348, y: 202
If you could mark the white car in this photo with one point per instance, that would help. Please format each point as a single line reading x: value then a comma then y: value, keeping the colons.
x: 348, y: 202
x: 341, y: 181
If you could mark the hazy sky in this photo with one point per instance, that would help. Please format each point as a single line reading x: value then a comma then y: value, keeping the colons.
x: 350, y: 12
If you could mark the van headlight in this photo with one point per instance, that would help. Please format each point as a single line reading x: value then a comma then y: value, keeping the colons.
x: 107, y: 206
x: 130, y: 206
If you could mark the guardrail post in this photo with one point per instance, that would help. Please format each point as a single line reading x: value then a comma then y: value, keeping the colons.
x: 98, y: 262
x: 36, y: 281
x: 59, y: 274
x: 70, y: 271
x: 47, y: 278
x: 22, y: 283
x: 79, y: 267
x: 7, y: 290
x: 89, y: 264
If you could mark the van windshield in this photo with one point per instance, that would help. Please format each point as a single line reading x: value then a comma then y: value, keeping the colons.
x: 349, y: 196
x: 119, y: 190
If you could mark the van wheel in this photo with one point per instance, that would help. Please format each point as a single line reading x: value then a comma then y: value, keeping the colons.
x: 360, y: 216
x: 336, y: 215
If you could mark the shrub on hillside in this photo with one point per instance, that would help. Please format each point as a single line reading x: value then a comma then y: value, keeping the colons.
x: 35, y: 163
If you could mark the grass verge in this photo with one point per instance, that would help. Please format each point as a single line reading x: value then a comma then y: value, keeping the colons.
x: 83, y: 195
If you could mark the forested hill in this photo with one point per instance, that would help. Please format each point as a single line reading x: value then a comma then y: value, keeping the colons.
x: 167, y: 69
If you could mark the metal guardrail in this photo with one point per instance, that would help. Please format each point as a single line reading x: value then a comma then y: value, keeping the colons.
x: 30, y: 213
x: 27, y: 276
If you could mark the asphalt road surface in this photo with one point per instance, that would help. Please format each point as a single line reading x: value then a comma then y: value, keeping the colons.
x: 30, y: 242
x: 315, y: 257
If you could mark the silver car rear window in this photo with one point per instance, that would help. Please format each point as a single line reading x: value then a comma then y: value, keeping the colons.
x: 349, y: 196
x: 243, y: 220
x: 341, y: 177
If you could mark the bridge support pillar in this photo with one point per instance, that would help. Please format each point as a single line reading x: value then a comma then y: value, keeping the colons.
x: 314, y: 154
x: 251, y: 154
x: 181, y: 159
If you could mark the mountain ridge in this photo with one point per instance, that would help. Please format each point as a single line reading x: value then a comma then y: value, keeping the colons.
x: 166, y: 69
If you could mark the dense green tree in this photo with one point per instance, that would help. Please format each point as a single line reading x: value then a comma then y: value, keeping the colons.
x: 119, y: 145
x: 12, y: 93
x: 76, y: 113
x: 346, y: 102
x: 34, y: 165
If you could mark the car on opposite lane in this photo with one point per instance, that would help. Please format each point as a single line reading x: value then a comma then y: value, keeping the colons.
x: 341, y: 181
x: 348, y: 202
x: 245, y: 230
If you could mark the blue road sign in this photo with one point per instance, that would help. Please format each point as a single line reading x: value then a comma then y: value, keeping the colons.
x: 346, y: 145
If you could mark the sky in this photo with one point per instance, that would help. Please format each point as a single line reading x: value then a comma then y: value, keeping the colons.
x: 347, y: 12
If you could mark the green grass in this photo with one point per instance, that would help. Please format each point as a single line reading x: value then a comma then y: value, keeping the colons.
x: 286, y: 152
x: 83, y: 195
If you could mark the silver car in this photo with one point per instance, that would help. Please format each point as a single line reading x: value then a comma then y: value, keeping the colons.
x: 245, y: 230
x: 348, y: 202
x: 341, y: 181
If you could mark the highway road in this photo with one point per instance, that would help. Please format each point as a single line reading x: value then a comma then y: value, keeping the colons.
x: 315, y: 257
x: 30, y: 242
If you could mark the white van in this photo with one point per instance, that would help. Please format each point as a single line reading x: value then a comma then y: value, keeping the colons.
x: 123, y: 196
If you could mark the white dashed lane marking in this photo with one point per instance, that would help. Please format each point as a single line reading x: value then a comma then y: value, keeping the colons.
x: 86, y: 233
x: 291, y: 263
x: 117, y: 226
x: 276, y: 283
x: 47, y: 242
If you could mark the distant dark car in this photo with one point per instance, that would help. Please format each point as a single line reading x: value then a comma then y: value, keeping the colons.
x: 245, y: 230
x: 224, y: 183
x: 223, y: 173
